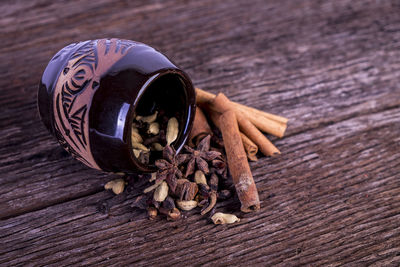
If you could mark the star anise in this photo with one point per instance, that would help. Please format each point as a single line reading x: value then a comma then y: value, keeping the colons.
x: 168, y: 167
x: 199, y: 157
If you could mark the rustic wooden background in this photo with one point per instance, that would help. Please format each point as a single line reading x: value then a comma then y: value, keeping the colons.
x: 331, y: 198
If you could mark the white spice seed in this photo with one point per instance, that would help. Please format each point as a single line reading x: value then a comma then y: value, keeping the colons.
x: 137, y: 152
x: 161, y: 192
x: 139, y: 146
x: 117, y: 186
x: 135, y: 136
x: 200, y: 178
x: 151, y: 187
x: 186, y: 204
x: 172, y: 130
x: 157, y: 147
x: 154, y: 128
x: 109, y: 185
x: 224, y: 218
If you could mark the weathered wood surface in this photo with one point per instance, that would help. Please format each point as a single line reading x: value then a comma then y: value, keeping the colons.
x: 331, y: 198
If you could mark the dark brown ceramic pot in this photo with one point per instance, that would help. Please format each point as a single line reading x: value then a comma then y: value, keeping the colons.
x: 90, y: 90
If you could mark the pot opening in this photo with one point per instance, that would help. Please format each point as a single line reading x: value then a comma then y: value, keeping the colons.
x: 164, y: 102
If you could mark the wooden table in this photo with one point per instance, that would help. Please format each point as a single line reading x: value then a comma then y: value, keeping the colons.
x: 331, y: 198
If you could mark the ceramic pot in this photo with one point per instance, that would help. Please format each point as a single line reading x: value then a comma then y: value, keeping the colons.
x: 90, y: 91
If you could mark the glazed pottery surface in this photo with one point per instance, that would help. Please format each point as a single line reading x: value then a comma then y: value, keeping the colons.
x: 89, y: 91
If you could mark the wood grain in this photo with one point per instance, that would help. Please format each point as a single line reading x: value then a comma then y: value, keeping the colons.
x: 332, y: 197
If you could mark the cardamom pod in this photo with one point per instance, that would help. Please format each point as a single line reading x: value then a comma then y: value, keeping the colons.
x: 172, y: 130
x: 154, y: 128
x: 117, y: 186
x: 200, y: 178
x: 135, y: 136
x: 161, y: 192
x: 152, y: 187
x: 148, y: 119
x: 157, y: 147
x: 140, y: 146
x: 186, y: 204
x: 109, y: 185
x: 224, y: 218
x: 136, y: 152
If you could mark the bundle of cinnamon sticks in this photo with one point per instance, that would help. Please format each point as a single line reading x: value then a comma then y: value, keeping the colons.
x: 241, y: 127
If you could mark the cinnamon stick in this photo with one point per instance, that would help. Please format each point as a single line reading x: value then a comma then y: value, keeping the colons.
x: 213, y: 115
x: 266, y: 122
x: 221, y: 103
x: 237, y: 162
x: 250, y: 148
x: 251, y: 131
x: 204, y: 97
x: 200, y: 129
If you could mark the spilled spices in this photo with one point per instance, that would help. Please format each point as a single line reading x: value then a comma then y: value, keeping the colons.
x: 199, y: 157
x: 214, y: 155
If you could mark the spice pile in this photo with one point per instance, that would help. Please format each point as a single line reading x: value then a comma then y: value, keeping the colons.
x: 151, y: 133
x: 202, y: 173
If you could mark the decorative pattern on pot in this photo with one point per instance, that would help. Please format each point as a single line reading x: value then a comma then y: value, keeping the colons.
x: 74, y: 91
